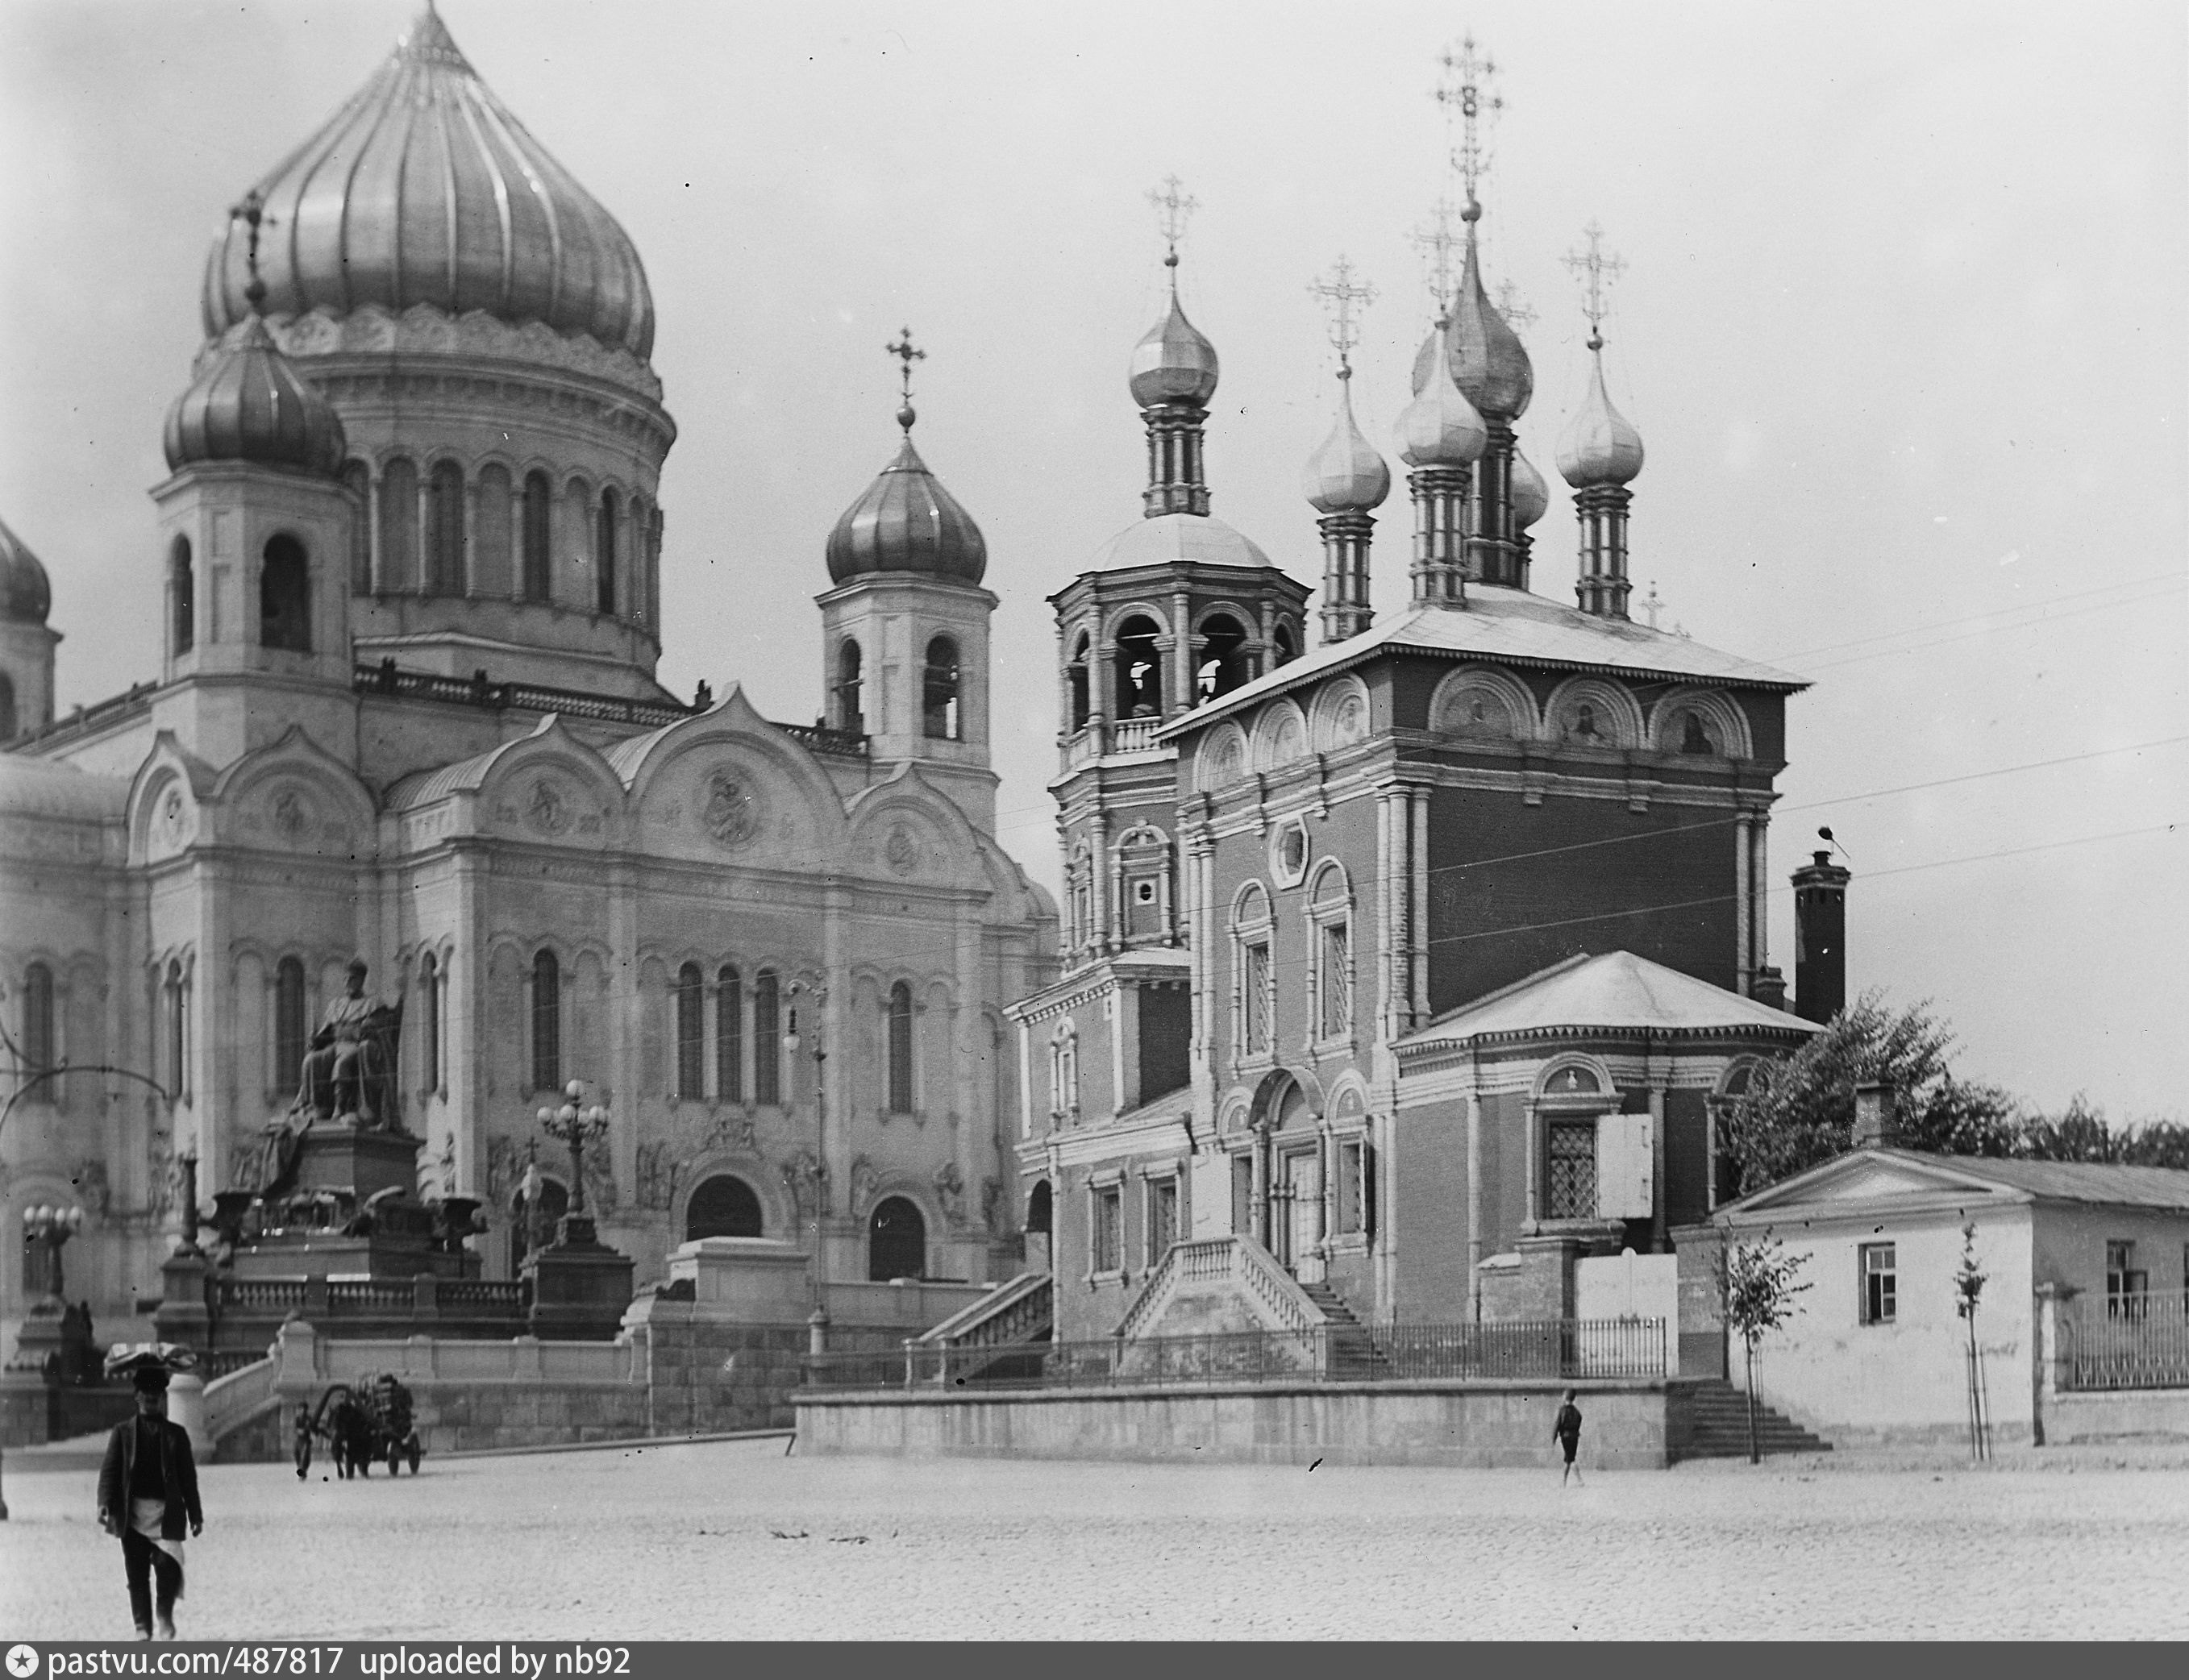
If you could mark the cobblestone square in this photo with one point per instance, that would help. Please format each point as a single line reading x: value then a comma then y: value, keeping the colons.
x: 737, y: 1540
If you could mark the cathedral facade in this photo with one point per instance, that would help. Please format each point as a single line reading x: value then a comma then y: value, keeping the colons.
x: 409, y: 563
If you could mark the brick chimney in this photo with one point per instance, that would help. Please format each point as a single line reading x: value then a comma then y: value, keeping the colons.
x: 1877, y: 1115
x: 1820, y: 938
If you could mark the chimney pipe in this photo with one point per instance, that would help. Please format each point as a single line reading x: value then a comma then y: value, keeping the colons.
x: 1877, y: 1115
x: 1820, y: 938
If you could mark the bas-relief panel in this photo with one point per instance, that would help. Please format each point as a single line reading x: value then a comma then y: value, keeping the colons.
x: 724, y: 804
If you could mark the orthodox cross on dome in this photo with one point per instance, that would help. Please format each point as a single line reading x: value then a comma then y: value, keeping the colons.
x: 1439, y: 247
x: 1173, y: 210
x: 251, y: 212
x: 906, y: 356
x: 1517, y: 314
x: 1339, y: 295
x: 1596, y: 269
x: 1468, y: 90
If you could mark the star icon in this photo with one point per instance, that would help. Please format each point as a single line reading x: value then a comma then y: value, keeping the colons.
x: 22, y: 1662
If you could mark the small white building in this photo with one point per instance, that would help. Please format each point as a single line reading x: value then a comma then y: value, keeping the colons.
x: 1875, y: 1348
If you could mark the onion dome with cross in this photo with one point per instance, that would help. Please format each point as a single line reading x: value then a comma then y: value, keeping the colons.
x: 906, y: 521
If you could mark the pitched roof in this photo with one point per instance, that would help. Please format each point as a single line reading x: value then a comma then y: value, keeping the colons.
x: 1512, y: 627
x: 1867, y: 1175
x: 1615, y: 993
x: 2093, y: 1181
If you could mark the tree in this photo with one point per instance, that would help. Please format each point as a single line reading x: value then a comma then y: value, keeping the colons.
x: 1968, y: 1285
x: 1760, y: 1288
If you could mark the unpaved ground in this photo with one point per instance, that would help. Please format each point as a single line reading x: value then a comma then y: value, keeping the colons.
x: 735, y: 1540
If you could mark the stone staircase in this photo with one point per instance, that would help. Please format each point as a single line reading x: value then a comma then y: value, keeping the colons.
x: 1351, y: 1352
x: 1719, y: 1425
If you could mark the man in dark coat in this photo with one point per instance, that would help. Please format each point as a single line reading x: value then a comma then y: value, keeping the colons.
x: 1565, y: 1429
x: 148, y: 1490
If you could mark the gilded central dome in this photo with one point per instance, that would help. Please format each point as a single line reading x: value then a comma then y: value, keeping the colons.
x: 424, y: 189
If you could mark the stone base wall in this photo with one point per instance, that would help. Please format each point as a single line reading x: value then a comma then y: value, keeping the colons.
x: 1629, y: 1425
x: 33, y: 1411
x: 2115, y: 1414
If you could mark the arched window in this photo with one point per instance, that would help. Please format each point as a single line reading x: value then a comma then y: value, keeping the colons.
x: 723, y: 1206
x: 899, y: 1048
x: 41, y: 1048
x: 767, y: 1041
x: 539, y: 502
x: 690, y: 1033
x: 182, y: 581
x: 1224, y: 665
x: 357, y: 479
x: 940, y: 713
x: 547, y: 1022
x: 433, y: 989
x: 605, y: 554
x: 285, y: 597
x: 729, y: 1035
x: 1076, y: 674
x: 850, y: 697
x: 1140, y: 669
x: 578, y: 535
x: 1286, y: 645
x: 897, y: 1241
x: 7, y: 708
x: 1040, y: 1209
x: 491, y: 535
x: 445, y: 530
x: 650, y: 603
x: 530, y: 1226
x: 399, y: 526
x: 292, y: 1025
x: 176, y: 1063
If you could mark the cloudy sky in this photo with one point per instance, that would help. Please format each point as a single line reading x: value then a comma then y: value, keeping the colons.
x: 1901, y: 325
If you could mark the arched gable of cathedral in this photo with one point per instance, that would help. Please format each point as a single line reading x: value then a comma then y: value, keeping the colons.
x: 1723, y: 725
x: 295, y: 796
x: 728, y: 787
x: 168, y: 798
x: 550, y: 789
x: 1480, y: 703
x: 905, y: 829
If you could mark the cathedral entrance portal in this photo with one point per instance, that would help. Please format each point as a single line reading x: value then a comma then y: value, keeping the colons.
x: 897, y: 1241
x: 723, y: 1206
x: 1296, y: 1220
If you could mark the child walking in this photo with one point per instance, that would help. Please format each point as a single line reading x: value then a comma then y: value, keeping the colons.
x: 1566, y: 1431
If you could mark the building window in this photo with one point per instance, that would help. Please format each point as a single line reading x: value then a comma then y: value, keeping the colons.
x: 7, y: 708
x: 899, y: 1048
x: 40, y: 1049
x: 546, y: 1023
x: 539, y: 500
x: 1336, y: 979
x: 1570, y: 1154
x: 691, y: 1033
x: 851, y: 688
x: 605, y: 554
x: 1242, y: 1194
x: 430, y: 994
x: 357, y: 479
x: 446, y: 530
x: 1140, y: 669
x: 1255, y: 983
x: 2128, y: 1287
x: 176, y: 1062
x: 1287, y: 645
x: 1224, y: 664
x: 1355, y: 1188
x: 1075, y: 676
x: 1064, y: 1072
x: 941, y: 718
x: 1880, y: 1283
x: 897, y: 1241
x: 285, y: 597
x: 183, y: 581
x: 723, y: 1206
x: 1107, y: 1228
x: 729, y: 1035
x: 767, y: 1039
x: 1162, y: 1219
x: 399, y: 525
x: 490, y: 571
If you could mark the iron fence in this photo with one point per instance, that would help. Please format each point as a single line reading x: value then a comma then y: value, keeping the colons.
x: 2137, y: 1341
x: 1542, y: 1350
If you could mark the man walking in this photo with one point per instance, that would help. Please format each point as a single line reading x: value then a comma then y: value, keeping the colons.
x: 1566, y: 1431
x: 148, y: 1489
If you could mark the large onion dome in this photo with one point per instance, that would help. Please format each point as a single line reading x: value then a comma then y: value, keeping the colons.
x: 1174, y: 363
x: 1600, y: 446
x: 424, y: 189
x: 1440, y: 427
x: 25, y: 598
x: 1488, y: 360
x: 907, y: 522
x: 249, y: 403
x: 1527, y: 496
x: 1346, y: 475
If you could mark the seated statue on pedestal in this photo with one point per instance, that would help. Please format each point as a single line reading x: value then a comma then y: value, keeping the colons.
x: 349, y: 1072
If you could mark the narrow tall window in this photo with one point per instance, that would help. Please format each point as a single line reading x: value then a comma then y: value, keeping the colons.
x: 850, y: 696
x: 941, y: 717
x: 1107, y: 1229
x: 292, y: 1025
x: 2127, y: 1287
x: 430, y: 991
x: 1286, y: 646
x: 285, y: 597
x: 1880, y: 1283
x: 690, y: 1033
x: 357, y: 479
x: 547, y: 1022
x: 1076, y: 674
x: 729, y: 1035
x: 538, y: 504
x: 41, y: 1047
x: 445, y: 530
x: 605, y: 554
x: 7, y: 708
x: 581, y: 531
x: 182, y: 592
x: 1570, y: 1154
x: 899, y: 1048
x: 1138, y: 673
x: 176, y: 1062
x: 399, y: 526
x: 767, y: 1039
x: 1162, y: 1219
x: 1223, y: 665
x: 1353, y: 1165
x: 1255, y: 982
x: 1337, y: 978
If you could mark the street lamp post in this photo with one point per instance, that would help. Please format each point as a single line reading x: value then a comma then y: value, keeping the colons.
x: 819, y: 1322
x: 577, y: 1126
x: 45, y: 1228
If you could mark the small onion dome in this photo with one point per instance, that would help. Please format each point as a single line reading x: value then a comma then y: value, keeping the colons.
x: 1174, y: 363
x: 1600, y: 447
x: 1488, y: 360
x: 250, y: 404
x: 1529, y: 496
x: 425, y: 188
x: 1346, y: 475
x: 1440, y: 427
x: 907, y: 522
x: 25, y: 598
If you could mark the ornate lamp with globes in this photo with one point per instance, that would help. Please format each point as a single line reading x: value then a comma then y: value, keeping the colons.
x: 580, y: 1286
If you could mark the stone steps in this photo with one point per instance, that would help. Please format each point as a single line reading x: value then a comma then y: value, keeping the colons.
x: 1719, y: 1414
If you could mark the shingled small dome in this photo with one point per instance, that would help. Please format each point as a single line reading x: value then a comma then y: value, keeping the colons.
x: 1346, y: 475
x: 1601, y: 445
x: 1174, y: 363
x: 250, y: 403
x: 1440, y: 427
x: 25, y: 596
x: 1528, y: 497
x: 424, y: 189
x: 907, y: 522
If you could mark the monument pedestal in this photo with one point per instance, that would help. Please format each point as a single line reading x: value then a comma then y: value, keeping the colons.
x: 580, y: 1286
